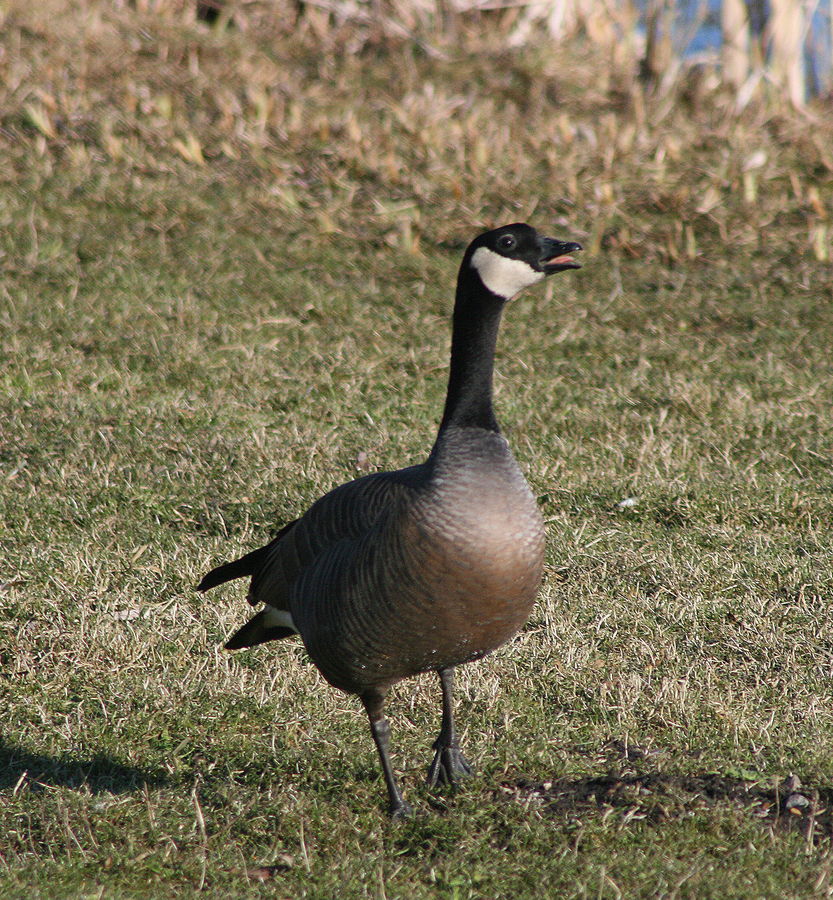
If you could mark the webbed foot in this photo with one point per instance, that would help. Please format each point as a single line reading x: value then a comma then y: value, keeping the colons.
x: 449, y: 765
x: 398, y: 812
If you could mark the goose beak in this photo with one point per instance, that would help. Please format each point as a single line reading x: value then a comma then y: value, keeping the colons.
x: 555, y: 255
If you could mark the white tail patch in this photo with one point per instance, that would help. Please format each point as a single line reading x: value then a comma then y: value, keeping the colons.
x: 274, y: 618
x: 502, y: 276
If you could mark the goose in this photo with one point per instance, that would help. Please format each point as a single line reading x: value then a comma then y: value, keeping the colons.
x: 428, y: 567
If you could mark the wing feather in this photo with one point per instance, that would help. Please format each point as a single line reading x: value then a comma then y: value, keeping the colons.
x: 344, y: 514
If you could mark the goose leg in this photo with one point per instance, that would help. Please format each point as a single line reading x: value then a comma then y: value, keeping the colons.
x: 374, y: 703
x: 449, y: 764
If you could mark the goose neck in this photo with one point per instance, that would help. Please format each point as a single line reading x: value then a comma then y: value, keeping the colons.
x: 476, y: 322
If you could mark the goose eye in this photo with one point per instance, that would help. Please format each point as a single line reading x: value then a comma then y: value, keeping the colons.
x: 506, y: 242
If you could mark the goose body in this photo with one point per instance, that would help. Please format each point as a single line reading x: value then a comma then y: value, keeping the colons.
x: 430, y: 566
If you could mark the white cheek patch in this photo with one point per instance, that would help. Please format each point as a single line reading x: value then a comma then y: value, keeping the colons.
x: 502, y: 276
x: 278, y: 618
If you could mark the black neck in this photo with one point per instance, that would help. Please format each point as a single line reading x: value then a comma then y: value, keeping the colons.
x: 476, y: 321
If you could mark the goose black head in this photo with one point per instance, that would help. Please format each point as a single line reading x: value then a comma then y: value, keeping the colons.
x: 513, y: 257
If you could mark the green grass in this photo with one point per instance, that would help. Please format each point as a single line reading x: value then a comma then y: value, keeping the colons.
x: 191, y: 353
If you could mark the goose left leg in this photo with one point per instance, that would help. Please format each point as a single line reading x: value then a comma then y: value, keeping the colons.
x: 374, y: 704
x: 449, y: 765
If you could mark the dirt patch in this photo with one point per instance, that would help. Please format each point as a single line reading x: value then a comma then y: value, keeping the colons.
x: 655, y: 796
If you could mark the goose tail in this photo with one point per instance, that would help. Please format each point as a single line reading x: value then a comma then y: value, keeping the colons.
x: 246, y: 565
x: 269, y: 624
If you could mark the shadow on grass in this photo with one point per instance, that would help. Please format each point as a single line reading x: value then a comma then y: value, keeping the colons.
x: 99, y: 773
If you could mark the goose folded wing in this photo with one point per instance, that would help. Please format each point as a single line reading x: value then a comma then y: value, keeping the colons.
x: 345, y: 513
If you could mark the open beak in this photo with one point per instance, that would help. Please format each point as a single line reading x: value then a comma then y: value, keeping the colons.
x: 555, y: 255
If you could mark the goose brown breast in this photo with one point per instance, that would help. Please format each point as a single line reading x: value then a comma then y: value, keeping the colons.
x: 434, y: 602
x: 477, y: 581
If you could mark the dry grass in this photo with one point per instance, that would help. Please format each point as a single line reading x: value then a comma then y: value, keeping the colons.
x: 381, y: 136
x: 227, y: 258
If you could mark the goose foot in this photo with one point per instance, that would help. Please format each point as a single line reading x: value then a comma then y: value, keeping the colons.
x: 398, y: 812
x: 449, y: 765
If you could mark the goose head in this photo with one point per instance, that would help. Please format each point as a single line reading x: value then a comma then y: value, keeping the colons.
x: 513, y: 257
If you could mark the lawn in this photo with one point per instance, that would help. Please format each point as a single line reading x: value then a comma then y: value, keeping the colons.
x: 228, y: 259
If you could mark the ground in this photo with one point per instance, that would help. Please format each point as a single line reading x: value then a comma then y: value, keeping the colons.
x: 228, y: 258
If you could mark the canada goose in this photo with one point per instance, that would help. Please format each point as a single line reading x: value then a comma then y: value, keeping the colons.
x: 433, y: 565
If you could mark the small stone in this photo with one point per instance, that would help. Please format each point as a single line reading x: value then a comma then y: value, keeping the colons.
x: 790, y: 784
x: 796, y: 804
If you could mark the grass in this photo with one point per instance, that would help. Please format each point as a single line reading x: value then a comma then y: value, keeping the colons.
x: 227, y: 264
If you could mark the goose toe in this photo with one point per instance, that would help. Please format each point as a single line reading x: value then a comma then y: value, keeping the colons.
x: 398, y: 812
x: 449, y: 766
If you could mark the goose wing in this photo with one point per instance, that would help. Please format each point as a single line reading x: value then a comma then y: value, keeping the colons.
x: 344, y: 514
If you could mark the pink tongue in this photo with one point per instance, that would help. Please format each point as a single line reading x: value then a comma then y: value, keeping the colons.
x: 558, y: 260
